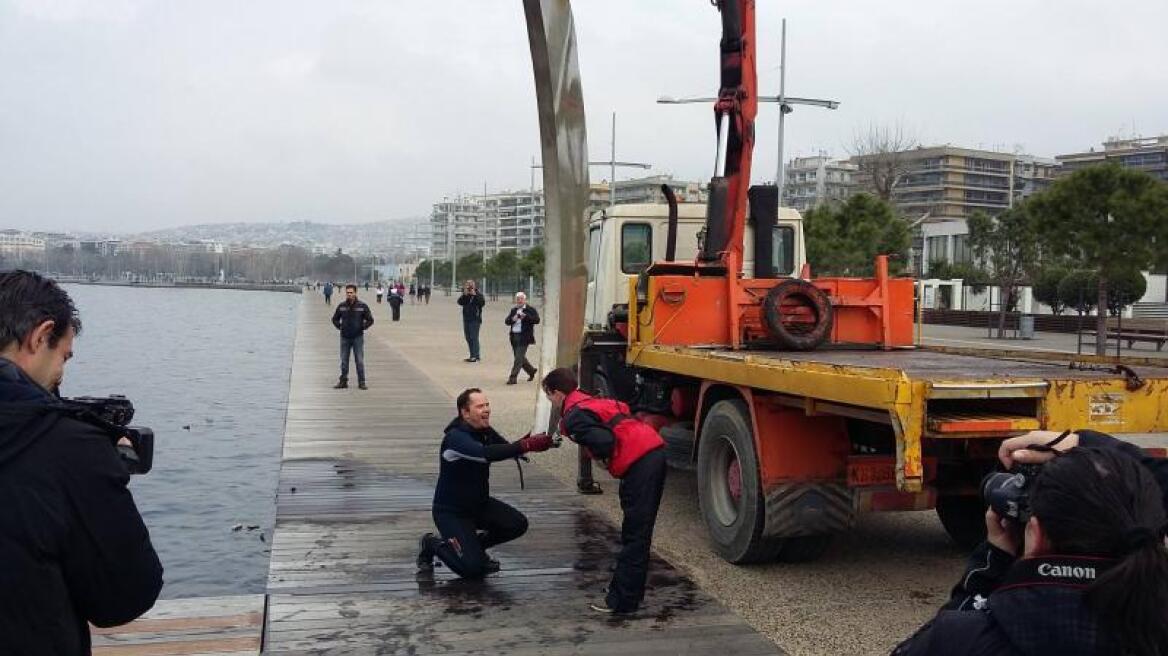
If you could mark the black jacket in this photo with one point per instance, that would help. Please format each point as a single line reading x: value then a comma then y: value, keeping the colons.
x: 464, y: 466
x: 352, y: 319
x: 472, y: 306
x: 1016, y: 607
x: 530, y: 318
x: 73, y: 548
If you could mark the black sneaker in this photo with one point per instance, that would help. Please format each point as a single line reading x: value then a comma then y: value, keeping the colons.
x: 361, y: 386
x: 468, y: 359
x: 492, y: 566
x: 341, y: 384
x: 511, y: 381
x: 426, y: 553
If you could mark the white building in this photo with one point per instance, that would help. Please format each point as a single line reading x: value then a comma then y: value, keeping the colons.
x: 20, y: 244
x: 457, y: 227
x: 811, y: 181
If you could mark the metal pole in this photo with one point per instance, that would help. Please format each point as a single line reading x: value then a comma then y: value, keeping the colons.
x: 779, y: 174
x: 453, y: 249
x: 612, y: 166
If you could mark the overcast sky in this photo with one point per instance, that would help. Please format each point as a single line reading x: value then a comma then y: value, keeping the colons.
x: 128, y: 115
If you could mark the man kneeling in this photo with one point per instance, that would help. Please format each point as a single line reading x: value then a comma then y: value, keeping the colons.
x: 469, y: 520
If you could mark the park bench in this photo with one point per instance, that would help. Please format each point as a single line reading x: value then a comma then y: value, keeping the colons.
x: 1154, y: 331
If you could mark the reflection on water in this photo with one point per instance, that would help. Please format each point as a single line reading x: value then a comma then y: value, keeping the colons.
x: 208, y: 371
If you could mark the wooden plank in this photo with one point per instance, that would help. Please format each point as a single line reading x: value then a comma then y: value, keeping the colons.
x: 208, y: 625
x: 354, y: 495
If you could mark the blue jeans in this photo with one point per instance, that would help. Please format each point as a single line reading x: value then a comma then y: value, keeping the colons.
x: 470, y: 329
x: 357, y: 346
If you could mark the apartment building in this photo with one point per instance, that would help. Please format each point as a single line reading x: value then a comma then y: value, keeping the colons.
x: 512, y: 220
x: 456, y: 227
x: 811, y: 181
x: 1145, y: 154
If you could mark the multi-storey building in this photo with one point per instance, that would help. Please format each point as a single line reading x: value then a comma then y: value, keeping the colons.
x: 1146, y: 154
x: 456, y: 227
x: 513, y: 220
x: 811, y: 181
x: 20, y: 244
x: 1033, y: 174
x: 644, y: 190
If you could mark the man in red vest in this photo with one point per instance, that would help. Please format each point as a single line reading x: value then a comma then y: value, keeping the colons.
x: 630, y: 450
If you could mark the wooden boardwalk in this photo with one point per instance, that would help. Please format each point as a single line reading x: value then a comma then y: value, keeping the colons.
x: 223, y: 626
x: 354, y: 496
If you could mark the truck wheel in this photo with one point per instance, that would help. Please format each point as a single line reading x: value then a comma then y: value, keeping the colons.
x: 729, y: 490
x: 963, y: 518
x: 797, y: 314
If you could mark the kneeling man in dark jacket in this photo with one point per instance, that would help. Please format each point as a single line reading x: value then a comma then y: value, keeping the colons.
x: 468, y: 518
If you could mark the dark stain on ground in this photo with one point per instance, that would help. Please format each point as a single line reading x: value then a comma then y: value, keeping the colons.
x: 920, y: 594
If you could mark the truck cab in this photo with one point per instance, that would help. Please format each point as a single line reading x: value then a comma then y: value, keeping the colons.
x: 624, y: 239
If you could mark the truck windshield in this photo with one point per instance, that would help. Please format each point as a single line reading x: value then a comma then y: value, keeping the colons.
x: 783, y: 253
x: 593, y: 252
x: 636, y: 246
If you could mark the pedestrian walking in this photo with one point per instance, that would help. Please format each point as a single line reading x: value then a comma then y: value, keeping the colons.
x: 380, y: 292
x: 352, y: 318
x: 633, y: 452
x: 426, y: 293
x: 395, y: 302
x: 328, y: 293
x: 472, y: 303
x: 521, y: 322
x: 413, y: 293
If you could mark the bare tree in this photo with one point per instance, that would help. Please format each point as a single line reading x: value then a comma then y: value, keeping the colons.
x: 880, y: 152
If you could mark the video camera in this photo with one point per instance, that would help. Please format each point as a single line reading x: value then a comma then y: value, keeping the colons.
x: 116, y: 412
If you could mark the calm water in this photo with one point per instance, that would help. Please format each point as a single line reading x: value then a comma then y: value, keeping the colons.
x: 208, y: 371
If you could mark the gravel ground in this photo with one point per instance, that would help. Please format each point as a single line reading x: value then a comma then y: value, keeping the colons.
x: 875, y: 586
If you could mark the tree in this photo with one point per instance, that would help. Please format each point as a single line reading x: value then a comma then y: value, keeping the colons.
x: 503, y: 267
x: 1008, y: 246
x: 881, y: 152
x: 973, y: 277
x: 845, y: 238
x: 532, y: 263
x: 470, y: 267
x: 1046, y: 288
x: 1107, y: 219
x: 1124, y: 288
x: 1077, y: 291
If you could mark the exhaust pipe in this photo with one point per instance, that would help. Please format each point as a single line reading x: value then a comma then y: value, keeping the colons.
x: 671, y: 231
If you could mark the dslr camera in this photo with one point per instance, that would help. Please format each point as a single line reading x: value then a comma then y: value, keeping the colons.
x: 1008, y: 493
x: 114, y: 413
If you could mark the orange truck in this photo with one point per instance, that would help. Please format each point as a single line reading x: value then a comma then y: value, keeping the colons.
x: 800, y: 401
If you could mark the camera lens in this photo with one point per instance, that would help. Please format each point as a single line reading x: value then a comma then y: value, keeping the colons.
x: 1006, y: 493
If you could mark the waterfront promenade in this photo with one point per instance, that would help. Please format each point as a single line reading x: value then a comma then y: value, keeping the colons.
x: 354, y: 496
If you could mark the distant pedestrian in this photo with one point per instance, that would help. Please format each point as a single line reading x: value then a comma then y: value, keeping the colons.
x: 352, y: 318
x: 380, y: 292
x: 426, y: 293
x: 366, y: 285
x: 472, y: 303
x: 328, y: 293
x: 395, y: 302
x: 521, y: 320
x: 413, y: 293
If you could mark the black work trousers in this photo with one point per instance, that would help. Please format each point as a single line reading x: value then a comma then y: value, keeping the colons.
x: 467, y: 536
x: 640, y: 498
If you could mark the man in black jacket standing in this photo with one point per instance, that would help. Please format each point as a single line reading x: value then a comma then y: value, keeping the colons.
x: 73, y: 548
x: 352, y: 318
x: 472, y: 303
x: 521, y: 319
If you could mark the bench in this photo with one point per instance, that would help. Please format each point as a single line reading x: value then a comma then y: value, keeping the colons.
x: 1153, y: 331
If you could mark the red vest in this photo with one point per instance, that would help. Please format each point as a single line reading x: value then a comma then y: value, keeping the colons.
x: 634, y: 438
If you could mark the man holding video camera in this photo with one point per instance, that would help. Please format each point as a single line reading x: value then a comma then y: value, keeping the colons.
x: 73, y: 548
x: 1074, y: 561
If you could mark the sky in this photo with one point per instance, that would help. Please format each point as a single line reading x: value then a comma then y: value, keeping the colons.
x: 131, y: 115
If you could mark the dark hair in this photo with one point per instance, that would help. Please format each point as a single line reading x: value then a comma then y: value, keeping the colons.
x: 352, y: 287
x: 463, y: 401
x: 1104, y: 502
x: 26, y: 301
x: 560, y: 380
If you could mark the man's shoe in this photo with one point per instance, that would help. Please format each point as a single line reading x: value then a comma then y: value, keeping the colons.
x: 361, y: 386
x: 602, y: 607
x: 510, y: 381
x: 426, y: 553
x: 474, y: 359
x: 492, y: 566
x: 531, y: 376
x: 341, y: 384
x: 468, y: 359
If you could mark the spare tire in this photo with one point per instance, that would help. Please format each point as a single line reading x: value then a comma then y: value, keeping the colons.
x: 797, y: 315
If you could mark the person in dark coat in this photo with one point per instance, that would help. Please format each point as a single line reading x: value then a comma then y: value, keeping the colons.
x: 395, y: 302
x: 352, y: 318
x: 468, y: 518
x: 472, y: 303
x: 1085, y: 575
x: 73, y: 547
x: 521, y: 322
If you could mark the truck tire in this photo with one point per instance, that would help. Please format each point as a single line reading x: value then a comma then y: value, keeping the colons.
x: 963, y: 517
x: 803, y: 330
x: 729, y: 486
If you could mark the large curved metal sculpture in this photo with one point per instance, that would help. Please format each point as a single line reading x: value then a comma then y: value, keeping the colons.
x: 564, y: 148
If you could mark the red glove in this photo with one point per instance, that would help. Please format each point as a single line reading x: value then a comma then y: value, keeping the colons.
x: 537, y: 442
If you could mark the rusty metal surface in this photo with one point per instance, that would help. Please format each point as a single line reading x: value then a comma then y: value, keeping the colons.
x: 564, y: 148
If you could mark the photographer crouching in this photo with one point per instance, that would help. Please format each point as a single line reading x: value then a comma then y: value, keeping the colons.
x: 1075, y: 561
x: 73, y: 548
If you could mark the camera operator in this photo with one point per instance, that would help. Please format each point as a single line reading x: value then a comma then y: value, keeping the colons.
x: 1075, y: 563
x: 73, y: 548
x: 472, y: 303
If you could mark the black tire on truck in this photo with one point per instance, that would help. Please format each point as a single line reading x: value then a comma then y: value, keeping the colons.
x: 963, y: 517
x: 729, y: 486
